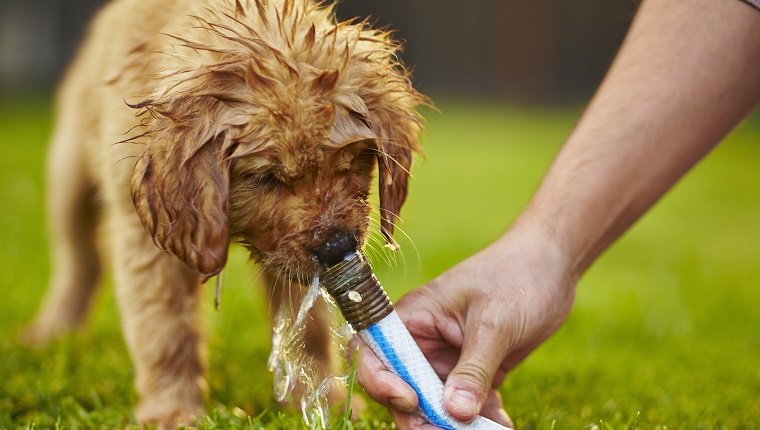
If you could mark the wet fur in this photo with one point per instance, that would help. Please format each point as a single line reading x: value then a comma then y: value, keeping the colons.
x: 186, y: 126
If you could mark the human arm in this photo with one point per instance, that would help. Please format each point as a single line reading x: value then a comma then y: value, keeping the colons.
x: 687, y: 73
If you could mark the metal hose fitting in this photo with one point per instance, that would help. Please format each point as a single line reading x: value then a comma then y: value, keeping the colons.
x: 357, y: 292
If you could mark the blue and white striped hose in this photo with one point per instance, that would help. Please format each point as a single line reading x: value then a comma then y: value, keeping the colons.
x: 392, y: 343
x: 365, y: 305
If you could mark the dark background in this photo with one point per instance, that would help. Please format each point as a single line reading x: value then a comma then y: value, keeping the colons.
x: 552, y: 51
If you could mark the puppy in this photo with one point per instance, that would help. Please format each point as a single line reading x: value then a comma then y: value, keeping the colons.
x: 187, y: 124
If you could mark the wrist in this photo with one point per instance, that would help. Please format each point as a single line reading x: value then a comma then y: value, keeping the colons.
x: 568, y: 228
x: 539, y: 246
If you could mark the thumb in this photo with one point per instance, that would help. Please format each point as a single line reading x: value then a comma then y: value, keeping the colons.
x: 469, y: 383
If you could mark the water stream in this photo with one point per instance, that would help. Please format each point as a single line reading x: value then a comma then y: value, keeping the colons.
x: 290, y: 365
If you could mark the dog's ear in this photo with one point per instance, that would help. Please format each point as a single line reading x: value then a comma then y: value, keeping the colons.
x: 182, y: 199
x: 398, y: 140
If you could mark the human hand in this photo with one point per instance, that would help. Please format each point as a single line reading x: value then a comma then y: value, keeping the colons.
x: 475, y: 323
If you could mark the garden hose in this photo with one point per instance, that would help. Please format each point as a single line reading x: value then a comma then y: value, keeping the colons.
x: 367, y: 308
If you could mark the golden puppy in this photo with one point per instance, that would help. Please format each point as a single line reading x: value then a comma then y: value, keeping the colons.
x: 184, y: 124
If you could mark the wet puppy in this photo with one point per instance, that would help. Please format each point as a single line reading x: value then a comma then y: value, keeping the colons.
x: 259, y: 122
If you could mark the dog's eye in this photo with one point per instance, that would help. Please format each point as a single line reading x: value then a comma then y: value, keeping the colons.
x: 364, y: 160
x: 266, y: 180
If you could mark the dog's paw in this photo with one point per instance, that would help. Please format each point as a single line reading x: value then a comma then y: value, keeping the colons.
x: 168, y: 416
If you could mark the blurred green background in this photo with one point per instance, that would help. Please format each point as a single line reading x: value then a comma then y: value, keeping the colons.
x: 665, y: 332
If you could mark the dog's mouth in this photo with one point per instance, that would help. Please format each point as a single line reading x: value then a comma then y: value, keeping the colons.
x: 336, y: 247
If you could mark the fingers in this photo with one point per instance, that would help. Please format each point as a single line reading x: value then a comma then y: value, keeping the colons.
x: 410, y: 421
x: 381, y: 384
x: 493, y: 410
x: 470, y: 382
x: 388, y: 389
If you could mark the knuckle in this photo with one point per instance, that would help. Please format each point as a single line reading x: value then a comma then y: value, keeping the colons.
x: 365, y: 378
x: 491, y: 324
x: 378, y: 386
x: 361, y: 378
x: 475, y: 373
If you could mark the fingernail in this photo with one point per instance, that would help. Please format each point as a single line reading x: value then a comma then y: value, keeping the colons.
x: 402, y: 404
x: 463, y: 403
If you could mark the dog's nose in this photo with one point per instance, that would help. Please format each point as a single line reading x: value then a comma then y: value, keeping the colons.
x: 336, y: 247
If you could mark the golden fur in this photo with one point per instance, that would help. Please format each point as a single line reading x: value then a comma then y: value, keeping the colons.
x: 217, y: 120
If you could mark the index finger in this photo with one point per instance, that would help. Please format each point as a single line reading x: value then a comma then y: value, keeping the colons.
x: 381, y: 384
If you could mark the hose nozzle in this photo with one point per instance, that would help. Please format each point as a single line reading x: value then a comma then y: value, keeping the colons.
x: 357, y: 292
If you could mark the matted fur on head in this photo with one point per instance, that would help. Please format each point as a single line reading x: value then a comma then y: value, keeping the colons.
x: 257, y: 123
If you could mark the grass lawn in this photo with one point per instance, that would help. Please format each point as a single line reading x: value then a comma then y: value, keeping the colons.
x: 665, y: 331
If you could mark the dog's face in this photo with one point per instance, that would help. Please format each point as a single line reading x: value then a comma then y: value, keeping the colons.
x: 305, y: 209
x: 299, y: 203
x: 254, y: 143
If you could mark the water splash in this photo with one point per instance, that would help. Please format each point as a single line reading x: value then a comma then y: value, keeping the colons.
x: 287, y: 360
x: 314, y: 406
x: 290, y: 365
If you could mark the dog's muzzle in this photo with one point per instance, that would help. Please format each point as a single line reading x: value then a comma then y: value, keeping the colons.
x: 338, y: 244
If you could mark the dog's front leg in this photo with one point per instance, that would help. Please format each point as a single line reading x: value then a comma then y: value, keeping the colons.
x: 158, y: 298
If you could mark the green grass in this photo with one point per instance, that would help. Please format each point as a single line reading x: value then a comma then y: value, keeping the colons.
x: 665, y: 331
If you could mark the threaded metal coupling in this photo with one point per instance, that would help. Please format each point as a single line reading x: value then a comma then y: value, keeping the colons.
x: 357, y: 292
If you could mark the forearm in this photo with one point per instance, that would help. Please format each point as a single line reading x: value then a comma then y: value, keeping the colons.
x: 688, y: 72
